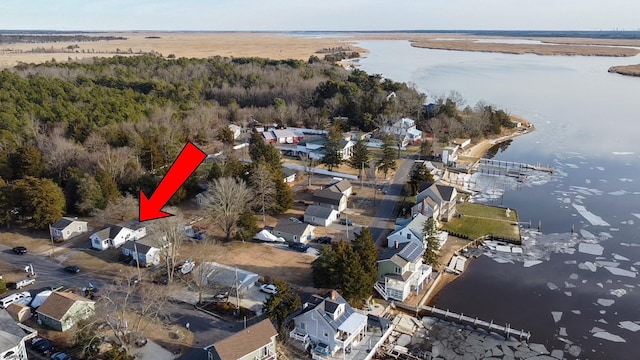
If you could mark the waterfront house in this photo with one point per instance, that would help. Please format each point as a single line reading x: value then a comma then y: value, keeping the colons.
x: 293, y: 232
x: 62, y: 310
x: 13, y: 338
x: 408, y: 230
x: 404, y: 129
x: 320, y: 215
x: 441, y: 204
x: 257, y: 342
x: 401, y: 271
x: 145, y: 251
x: 66, y: 228
x: 329, y: 323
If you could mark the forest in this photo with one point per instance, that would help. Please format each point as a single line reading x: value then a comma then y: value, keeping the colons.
x: 81, y: 134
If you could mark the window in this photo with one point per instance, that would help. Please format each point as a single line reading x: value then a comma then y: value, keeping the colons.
x: 398, y: 270
x: 79, y: 228
x: 326, y: 334
x: 409, y: 236
x: 303, y: 326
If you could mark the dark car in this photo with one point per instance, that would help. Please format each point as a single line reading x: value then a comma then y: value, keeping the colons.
x: 344, y: 221
x: 324, y: 240
x: 42, y: 346
x: 20, y: 250
x: 298, y: 246
x: 74, y: 269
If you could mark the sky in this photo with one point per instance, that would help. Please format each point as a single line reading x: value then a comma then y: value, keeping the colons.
x: 319, y: 15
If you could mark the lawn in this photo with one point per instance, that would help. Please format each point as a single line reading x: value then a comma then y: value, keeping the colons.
x: 478, y: 220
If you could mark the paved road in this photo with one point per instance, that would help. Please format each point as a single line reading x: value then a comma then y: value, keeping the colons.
x: 387, y: 206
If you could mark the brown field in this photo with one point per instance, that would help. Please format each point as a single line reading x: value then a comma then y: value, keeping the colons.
x: 631, y: 70
x: 283, y: 46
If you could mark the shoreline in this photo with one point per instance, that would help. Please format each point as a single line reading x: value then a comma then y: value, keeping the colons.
x: 626, y: 70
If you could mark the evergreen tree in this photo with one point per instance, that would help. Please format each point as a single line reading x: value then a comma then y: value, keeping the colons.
x: 284, y: 194
x: 247, y: 226
x: 388, y: 160
x: 225, y: 135
x: 332, y: 156
x: 89, y: 195
x: 367, y: 251
x: 108, y: 187
x: 27, y: 161
x: 280, y: 305
x: 425, y: 149
x: 432, y: 253
x: 40, y: 201
x: 360, y: 158
x: 323, y: 268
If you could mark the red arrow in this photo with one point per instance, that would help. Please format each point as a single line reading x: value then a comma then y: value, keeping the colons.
x: 186, y: 163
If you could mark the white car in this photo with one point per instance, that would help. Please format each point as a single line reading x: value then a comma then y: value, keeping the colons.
x: 269, y: 288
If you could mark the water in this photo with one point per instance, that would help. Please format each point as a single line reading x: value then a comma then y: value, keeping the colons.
x: 587, y: 124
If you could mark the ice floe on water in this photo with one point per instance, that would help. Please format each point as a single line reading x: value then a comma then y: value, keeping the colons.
x: 557, y: 315
x: 636, y: 215
x: 568, y: 293
x: 618, y: 292
x: 623, y: 153
x: 608, y: 336
x: 620, y: 272
x: 618, y: 193
x: 592, y: 218
x: 620, y: 257
x: 530, y: 263
x: 592, y: 249
x: 552, y: 286
x: 605, y: 302
x: 629, y: 325
x: 587, y: 265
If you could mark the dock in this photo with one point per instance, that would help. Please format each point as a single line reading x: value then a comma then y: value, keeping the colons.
x: 507, y: 168
x: 461, y: 319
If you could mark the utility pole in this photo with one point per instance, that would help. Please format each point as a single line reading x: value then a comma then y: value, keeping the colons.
x: 135, y: 248
x: 53, y: 247
x: 361, y: 175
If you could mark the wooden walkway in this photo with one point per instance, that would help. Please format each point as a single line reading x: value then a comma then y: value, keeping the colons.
x: 489, y: 326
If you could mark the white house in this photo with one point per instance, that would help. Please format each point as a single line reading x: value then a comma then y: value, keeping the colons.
x: 66, y: 228
x: 408, y: 230
x: 145, y: 251
x: 462, y: 143
x: 320, y: 215
x: 406, y: 129
x: 329, y: 320
x: 401, y: 271
x: 257, y: 342
x: 236, y: 130
x: 438, y: 201
x: 293, y: 232
x: 450, y: 155
x: 289, y: 176
x: 111, y: 236
x: 13, y: 337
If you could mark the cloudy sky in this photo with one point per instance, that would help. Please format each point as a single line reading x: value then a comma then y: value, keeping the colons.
x: 289, y: 15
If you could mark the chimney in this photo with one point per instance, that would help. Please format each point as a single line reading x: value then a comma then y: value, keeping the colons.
x: 333, y: 295
x: 397, y: 244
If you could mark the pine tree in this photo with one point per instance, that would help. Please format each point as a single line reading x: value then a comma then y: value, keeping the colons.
x: 332, y: 148
x: 432, y: 253
x: 360, y: 158
x: 366, y: 249
x: 388, y: 160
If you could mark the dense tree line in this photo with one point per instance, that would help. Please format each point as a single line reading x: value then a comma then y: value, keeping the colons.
x: 104, y: 127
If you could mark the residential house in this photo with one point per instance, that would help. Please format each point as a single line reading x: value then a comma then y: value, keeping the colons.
x: 293, y: 232
x: 331, y: 199
x: 236, y: 130
x: 257, y: 342
x: 66, y: 228
x: 320, y: 215
x: 346, y: 149
x: 111, y: 236
x: 13, y: 338
x: 335, y: 196
x: 450, y: 155
x: 442, y: 205
x: 408, y: 230
x: 146, y: 251
x: 405, y: 129
x: 401, y: 271
x: 282, y: 136
x: 461, y: 143
x: 331, y: 321
x: 62, y: 310
x: 289, y: 176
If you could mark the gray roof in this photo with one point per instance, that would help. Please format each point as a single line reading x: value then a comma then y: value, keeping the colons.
x: 109, y: 232
x: 64, y: 222
x: 289, y: 227
x: 143, y: 245
x: 288, y: 172
x: 341, y: 186
x: 135, y: 224
x: 327, y: 196
x: 326, y: 308
x: 318, y: 211
x: 446, y: 192
x: 405, y: 252
x: 10, y: 333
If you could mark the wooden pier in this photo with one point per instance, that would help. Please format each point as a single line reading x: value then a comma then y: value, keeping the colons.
x: 489, y: 326
x: 509, y: 168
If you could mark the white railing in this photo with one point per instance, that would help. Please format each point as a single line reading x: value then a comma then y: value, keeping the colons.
x: 304, y: 338
x: 381, y: 291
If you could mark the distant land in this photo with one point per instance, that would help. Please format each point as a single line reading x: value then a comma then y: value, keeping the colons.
x: 37, y: 46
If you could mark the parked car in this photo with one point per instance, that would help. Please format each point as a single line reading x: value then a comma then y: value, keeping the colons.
x: 60, y: 356
x: 20, y: 250
x: 299, y: 246
x: 345, y: 221
x: 42, y: 346
x: 269, y: 288
x: 74, y: 269
x: 324, y: 239
x: 323, y: 349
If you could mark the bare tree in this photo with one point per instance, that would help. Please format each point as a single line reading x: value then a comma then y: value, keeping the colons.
x: 226, y: 199
x: 118, y: 210
x: 264, y: 189
x: 169, y: 235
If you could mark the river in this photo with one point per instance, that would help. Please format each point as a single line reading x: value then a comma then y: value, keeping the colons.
x: 585, y: 291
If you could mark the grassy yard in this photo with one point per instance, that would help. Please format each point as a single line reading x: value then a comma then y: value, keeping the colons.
x: 478, y: 220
